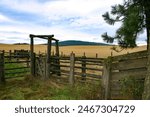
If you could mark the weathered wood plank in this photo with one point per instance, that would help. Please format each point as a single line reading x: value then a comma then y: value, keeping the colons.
x: 134, y: 55
x: 94, y: 76
x: 57, y: 60
x: 116, y: 85
x: 32, y: 62
x: 130, y: 64
x: 83, y: 68
x: 88, y: 68
x: 72, y: 62
x: 135, y: 73
x: 48, y: 60
x: 2, y: 71
x: 106, y: 78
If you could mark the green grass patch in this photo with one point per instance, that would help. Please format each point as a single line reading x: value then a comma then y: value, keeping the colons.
x: 35, y: 89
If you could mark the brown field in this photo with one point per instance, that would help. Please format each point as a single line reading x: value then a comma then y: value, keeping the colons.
x: 90, y: 51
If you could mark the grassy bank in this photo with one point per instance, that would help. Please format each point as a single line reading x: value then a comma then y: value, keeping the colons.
x: 30, y: 88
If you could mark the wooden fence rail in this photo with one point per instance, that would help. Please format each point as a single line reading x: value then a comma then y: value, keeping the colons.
x: 74, y: 68
x: 12, y: 66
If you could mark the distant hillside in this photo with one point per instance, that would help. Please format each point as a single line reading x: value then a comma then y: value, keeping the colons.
x: 77, y: 43
x: 21, y: 44
x: 70, y: 43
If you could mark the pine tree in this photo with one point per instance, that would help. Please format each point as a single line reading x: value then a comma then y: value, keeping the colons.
x: 135, y: 17
x: 132, y: 14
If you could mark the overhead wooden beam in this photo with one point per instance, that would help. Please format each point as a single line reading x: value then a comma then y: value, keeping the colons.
x: 43, y: 36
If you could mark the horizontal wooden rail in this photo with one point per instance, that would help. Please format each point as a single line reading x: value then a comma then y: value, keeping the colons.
x: 89, y: 75
x: 19, y: 72
x: 14, y: 76
x: 60, y: 65
x: 95, y: 69
x: 89, y: 63
x: 64, y: 61
x: 17, y: 68
x: 17, y: 62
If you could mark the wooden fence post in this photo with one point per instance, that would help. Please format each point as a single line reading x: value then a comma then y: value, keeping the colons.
x: 32, y: 55
x: 83, y: 68
x: 61, y: 54
x: 48, y: 59
x: 96, y: 55
x: 10, y: 54
x: 2, y: 72
x: 72, y: 64
x: 106, y: 77
x: 57, y: 60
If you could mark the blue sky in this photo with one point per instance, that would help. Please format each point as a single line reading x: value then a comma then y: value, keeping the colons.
x: 66, y: 19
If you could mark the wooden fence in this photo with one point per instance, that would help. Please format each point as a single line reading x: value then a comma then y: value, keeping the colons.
x: 110, y: 71
x: 13, y: 65
x: 117, y: 68
x: 71, y: 68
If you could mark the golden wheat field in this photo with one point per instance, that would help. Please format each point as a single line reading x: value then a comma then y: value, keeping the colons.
x: 90, y: 51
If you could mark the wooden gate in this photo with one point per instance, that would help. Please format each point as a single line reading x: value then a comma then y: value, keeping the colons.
x: 40, y: 66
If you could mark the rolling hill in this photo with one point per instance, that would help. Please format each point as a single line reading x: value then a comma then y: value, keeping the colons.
x: 78, y: 43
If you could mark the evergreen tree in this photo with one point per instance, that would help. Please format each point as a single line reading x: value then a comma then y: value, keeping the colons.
x: 133, y: 14
x: 135, y: 17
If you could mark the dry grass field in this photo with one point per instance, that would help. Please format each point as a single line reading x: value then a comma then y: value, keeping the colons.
x: 90, y: 51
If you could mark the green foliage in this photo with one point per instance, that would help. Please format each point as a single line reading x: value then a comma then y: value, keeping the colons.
x: 132, y: 88
x: 108, y: 60
x: 79, y: 92
x: 134, y: 16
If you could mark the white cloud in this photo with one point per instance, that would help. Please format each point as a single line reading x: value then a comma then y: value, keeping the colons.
x: 69, y: 18
x: 4, y: 18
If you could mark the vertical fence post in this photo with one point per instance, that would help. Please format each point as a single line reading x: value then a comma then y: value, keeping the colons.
x: 10, y: 53
x: 2, y: 73
x: 57, y: 60
x: 106, y: 79
x: 48, y: 60
x: 32, y: 57
x: 72, y: 65
x: 83, y: 69
x: 96, y: 55
x: 61, y: 54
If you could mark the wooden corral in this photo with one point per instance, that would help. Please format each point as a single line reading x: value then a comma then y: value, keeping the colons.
x: 110, y: 71
x: 125, y: 66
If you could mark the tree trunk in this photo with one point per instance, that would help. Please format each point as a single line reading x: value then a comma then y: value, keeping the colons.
x: 147, y: 30
x: 146, y: 93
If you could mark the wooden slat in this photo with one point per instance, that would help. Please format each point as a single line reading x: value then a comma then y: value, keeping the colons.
x: 89, y: 75
x: 134, y: 55
x: 130, y: 64
x: 7, y: 73
x: 95, y: 69
x: 64, y: 61
x: 17, y: 68
x: 116, y: 85
x: 136, y: 73
x: 17, y: 62
x: 117, y: 96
